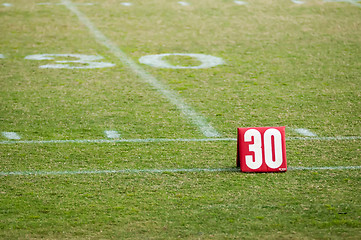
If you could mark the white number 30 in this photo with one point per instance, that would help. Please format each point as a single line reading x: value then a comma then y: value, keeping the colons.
x: 79, y: 61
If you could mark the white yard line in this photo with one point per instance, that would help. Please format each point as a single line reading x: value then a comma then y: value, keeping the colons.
x: 157, y: 140
x: 146, y: 140
x: 171, y: 95
x: 176, y: 170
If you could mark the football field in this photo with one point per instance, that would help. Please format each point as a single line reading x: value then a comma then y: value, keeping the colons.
x: 119, y: 119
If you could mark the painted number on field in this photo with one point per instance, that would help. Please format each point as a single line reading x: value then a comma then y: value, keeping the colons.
x: 158, y: 61
x: 71, y: 61
x: 261, y: 149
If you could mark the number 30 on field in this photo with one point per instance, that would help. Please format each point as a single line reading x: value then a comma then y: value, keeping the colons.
x: 261, y: 149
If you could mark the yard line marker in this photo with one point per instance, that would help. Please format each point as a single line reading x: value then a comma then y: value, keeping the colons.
x: 159, y: 140
x: 171, y: 95
x: 11, y: 135
x: 305, y: 132
x: 112, y: 134
x: 177, y: 170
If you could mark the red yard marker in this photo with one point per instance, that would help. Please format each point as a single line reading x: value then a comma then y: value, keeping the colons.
x: 261, y: 149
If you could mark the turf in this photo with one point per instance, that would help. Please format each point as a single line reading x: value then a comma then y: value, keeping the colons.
x: 286, y: 64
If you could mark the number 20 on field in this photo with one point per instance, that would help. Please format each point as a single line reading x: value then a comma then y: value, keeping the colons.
x: 261, y: 149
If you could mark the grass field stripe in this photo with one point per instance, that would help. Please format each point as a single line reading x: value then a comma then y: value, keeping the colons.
x: 176, y: 170
x: 157, y: 140
x: 171, y: 95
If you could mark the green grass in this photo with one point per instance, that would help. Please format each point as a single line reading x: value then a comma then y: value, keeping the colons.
x: 285, y: 64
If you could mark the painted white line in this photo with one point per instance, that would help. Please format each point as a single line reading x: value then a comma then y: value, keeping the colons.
x: 11, y: 135
x: 298, y: 2
x: 240, y: 2
x: 171, y: 95
x: 127, y: 4
x: 7, y: 4
x: 183, y: 3
x: 325, y: 168
x: 112, y: 134
x: 118, y: 171
x: 305, y: 132
x: 152, y: 171
x: 147, y: 140
x: 339, y: 138
x: 158, y: 140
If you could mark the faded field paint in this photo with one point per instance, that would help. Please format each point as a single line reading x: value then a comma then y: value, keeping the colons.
x: 240, y: 2
x: 127, y: 4
x: 85, y: 61
x: 171, y: 95
x: 305, y: 132
x: 11, y: 135
x: 183, y: 3
x: 112, y: 134
x: 297, y: 1
x: 156, y: 60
